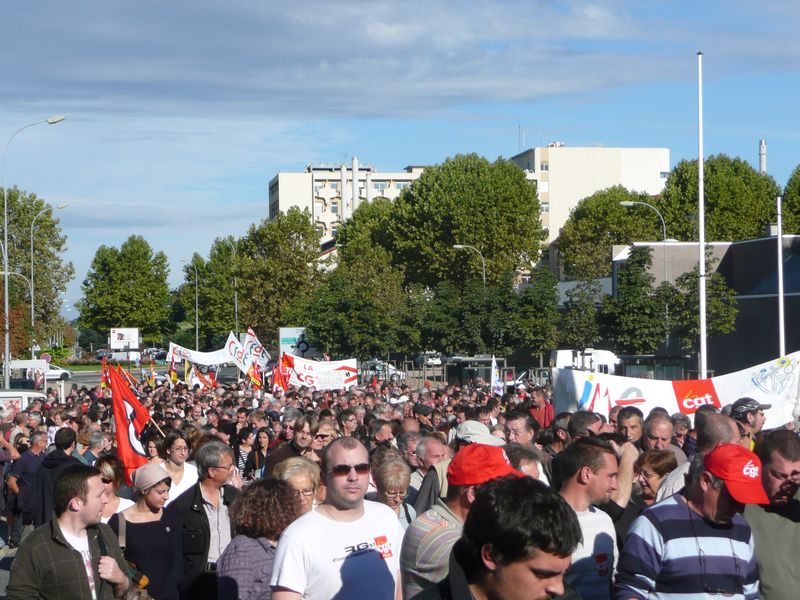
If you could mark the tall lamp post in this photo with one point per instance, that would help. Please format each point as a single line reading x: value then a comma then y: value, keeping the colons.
x: 33, y: 317
x: 483, y: 261
x: 629, y: 203
x: 6, y: 321
x: 196, y: 307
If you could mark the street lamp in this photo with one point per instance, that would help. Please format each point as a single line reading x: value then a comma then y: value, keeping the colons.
x: 196, y: 308
x: 6, y: 322
x: 235, y: 289
x: 33, y: 318
x: 483, y: 261
x: 629, y: 203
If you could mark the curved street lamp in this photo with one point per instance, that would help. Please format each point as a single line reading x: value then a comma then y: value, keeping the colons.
x: 483, y: 261
x: 6, y: 322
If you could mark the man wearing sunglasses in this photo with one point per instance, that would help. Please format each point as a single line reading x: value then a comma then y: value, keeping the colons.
x: 348, y: 547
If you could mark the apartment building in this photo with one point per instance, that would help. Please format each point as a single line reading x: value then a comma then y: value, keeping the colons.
x: 332, y: 192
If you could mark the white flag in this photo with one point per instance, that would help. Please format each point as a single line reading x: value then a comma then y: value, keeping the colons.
x: 497, y: 383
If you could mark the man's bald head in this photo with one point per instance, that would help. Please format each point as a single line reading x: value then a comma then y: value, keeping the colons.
x: 713, y: 429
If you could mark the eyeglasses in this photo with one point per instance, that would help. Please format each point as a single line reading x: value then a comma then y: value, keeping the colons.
x: 307, y: 492
x: 342, y: 470
x: 395, y: 495
x: 226, y: 467
x: 323, y: 436
x: 106, y: 480
x: 179, y: 449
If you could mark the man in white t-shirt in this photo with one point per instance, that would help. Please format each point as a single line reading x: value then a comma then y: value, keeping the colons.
x: 588, y: 471
x: 348, y: 547
x: 59, y: 559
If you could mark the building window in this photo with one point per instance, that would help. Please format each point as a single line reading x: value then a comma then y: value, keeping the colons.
x: 544, y: 166
x: 379, y: 185
x: 401, y: 185
x: 321, y: 229
x: 664, y: 174
x: 334, y: 229
x: 545, y: 206
x: 334, y: 185
x: 335, y: 207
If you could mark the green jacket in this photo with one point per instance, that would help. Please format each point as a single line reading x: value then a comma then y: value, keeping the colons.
x: 46, y: 567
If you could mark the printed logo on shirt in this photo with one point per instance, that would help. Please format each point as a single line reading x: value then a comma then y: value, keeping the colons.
x: 603, y: 568
x: 383, y: 546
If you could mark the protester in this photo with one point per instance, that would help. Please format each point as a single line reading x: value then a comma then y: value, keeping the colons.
x: 112, y: 474
x: 303, y: 476
x: 652, y: 467
x: 260, y: 515
x: 704, y: 522
x: 256, y: 463
x: 516, y: 545
x: 21, y: 482
x: 150, y: 537
x: 182, y: 474
x: 347, y: 547
x: 73, y: 555
x: 391, y: 480
x: 48, y: 471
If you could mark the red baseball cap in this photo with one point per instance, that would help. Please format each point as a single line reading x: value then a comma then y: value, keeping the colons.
x: 740, y: 469
x: 478, y: 463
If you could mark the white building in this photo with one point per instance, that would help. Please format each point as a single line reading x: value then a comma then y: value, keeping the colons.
x: 564, y: 176
x: 328, y: 192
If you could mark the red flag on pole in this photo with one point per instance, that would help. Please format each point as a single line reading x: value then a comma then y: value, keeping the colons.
x: 104, y: 381
x: 130, y: 417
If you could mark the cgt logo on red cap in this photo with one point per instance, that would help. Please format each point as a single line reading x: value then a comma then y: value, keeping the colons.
x: 692, y: 394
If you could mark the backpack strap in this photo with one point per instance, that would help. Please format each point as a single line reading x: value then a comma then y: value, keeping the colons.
x: 121, y: 534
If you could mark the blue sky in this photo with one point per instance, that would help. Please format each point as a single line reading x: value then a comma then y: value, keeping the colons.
x: 179, y: 113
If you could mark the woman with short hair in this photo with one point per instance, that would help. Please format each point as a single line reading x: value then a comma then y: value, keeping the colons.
x: 302, y: 475
x: 392, y: 478
x: 651, y: 468
x: 149, y: 536
x: 182, y: 474
x: 259, y: 516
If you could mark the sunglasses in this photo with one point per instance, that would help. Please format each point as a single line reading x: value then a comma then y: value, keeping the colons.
x: 342, y: 470
x: 106, y: 480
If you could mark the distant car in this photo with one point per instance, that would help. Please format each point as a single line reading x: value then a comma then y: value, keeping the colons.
x: 103, y: 353
x: 382, y: 370
x: 428, y: 359
x: 56, y: 372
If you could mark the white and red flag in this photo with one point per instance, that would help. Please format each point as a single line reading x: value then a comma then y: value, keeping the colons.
x: 130, y: 418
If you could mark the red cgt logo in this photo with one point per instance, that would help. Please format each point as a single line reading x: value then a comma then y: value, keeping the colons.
x: 694, y: 393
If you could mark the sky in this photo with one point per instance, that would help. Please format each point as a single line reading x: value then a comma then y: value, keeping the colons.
x: 179, y: 113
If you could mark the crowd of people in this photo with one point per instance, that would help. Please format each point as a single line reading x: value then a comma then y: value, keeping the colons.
x: 384, y: 491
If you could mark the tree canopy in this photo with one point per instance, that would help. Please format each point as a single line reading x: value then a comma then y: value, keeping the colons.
x: 127, y: 287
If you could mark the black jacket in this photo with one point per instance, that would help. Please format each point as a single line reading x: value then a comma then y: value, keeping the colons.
x: 197, y: 539
x: 46, y: 475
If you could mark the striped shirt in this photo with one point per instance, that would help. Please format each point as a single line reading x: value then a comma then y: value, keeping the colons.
x: 425, y: 555
x: 672, y: 553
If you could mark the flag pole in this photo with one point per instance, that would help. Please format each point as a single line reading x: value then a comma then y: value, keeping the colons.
x: 701, y: 221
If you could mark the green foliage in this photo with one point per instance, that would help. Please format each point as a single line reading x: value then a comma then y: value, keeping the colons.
x: 791, y: 203
x: 360, y: 310
x: 579, y: 326
x: 278, y: 273
x: 466, y: 200
x: 51, y: 274
x: 127, y: 287
x: 739, y: 201
x: 721, y: 310
x: 634, y: 320
x: 599, y: 222
x: 538, y: 317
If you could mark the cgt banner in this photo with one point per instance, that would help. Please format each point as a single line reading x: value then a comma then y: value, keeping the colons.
x: 178, y: 354
x: 323, y: 375
x: 776, y: 382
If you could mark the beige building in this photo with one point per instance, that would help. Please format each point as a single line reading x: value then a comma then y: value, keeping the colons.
x: 564, y: 176
x: 331, y: 193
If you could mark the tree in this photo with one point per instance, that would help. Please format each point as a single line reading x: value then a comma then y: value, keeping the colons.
x: 537, y: 320
x: 579, y: 328
x: 721, y: 309
x: 634, y: 319
x: 791, y: 203
x: 739, y: 201
x: 278, y: 273
x: 466, y: 200
x: 51, y: 274
x: 599, y: 222
x: 360, y: 310
x: 127, y: 287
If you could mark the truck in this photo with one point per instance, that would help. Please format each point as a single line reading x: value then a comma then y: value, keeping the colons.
x: 590, y: 359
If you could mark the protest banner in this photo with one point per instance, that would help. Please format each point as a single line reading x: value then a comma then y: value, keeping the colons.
x: 178, y: 353
x: 776, y: 382
x: 322, y: 375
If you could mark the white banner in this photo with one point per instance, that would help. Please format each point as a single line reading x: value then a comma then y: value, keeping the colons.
x: 322, y: 375
x: 179, y: 354
x: 253, y: 347
x: 237, y: 354
x: 776, y: 382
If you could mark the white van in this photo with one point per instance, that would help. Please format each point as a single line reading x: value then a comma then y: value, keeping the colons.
x: 19, y: 399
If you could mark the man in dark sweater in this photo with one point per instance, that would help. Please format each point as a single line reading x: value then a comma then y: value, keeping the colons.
x: 46, y: 474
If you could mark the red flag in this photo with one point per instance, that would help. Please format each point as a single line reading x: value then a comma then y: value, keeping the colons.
x: 280, y: 374
x: 130, y: 417
x: 255, y: 375
x: 104, y: 380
